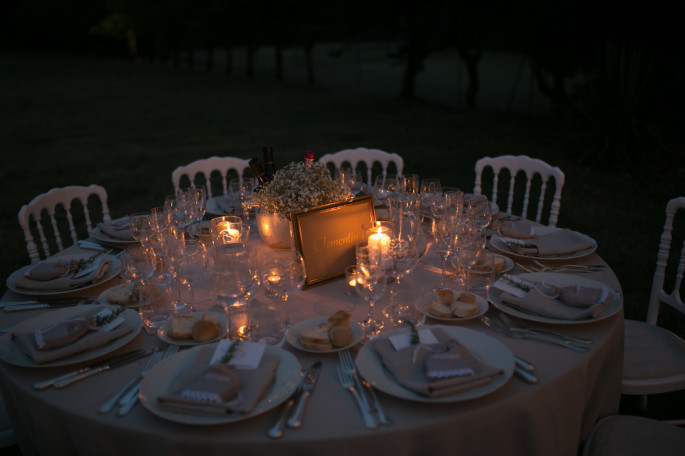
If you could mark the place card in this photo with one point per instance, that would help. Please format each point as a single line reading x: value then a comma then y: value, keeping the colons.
x: 247, y: 356
x: 400, y: 341
x: 513, y: 285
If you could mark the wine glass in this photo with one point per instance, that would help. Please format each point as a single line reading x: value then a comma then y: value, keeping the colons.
x: 235, y: 284
x: 370, y: 283
x: 410, y: 183
x: 350, y: 177
x: 404, y: 256
x: 138, y: 262
x: 174, y: 248
x: 385, y: 186
x: 430, y: 189
x: 139, y: 224
x: 470, y: 243
x: 283, y: 273
x: 479, y: 210
x: 442, y: 231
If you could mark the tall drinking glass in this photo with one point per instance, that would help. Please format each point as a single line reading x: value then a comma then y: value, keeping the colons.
x: 235, y: 283
x: 370, y: 282
x: 283, y: 273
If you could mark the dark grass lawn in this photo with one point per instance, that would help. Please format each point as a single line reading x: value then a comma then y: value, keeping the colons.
x: 69, y: 120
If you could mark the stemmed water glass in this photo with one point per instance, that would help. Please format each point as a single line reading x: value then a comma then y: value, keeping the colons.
x: 370, y: 283
x: 191, y: 266
x: 174, y: 248
x: 283, y: 273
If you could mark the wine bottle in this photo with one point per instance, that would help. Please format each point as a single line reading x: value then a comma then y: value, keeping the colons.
x: 258, y: 171
x: 269, y: 167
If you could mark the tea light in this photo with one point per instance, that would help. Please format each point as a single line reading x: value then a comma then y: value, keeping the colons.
x: 350, y: 273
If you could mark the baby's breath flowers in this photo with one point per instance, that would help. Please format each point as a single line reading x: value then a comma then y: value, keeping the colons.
x: 299, y: 186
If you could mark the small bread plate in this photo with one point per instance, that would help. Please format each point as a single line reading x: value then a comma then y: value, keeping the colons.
x: 160, y: 380
x: 107, y: 239
x: 482, y: 346
x: 164, y: 330
x: 614, y: 306
x: 500, y: 245
x: 112, y: 272
x: 291, y: 336
x: 422, y: 306
x: 10, y: 352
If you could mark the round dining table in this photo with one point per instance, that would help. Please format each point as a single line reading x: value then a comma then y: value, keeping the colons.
x: 551, y: 417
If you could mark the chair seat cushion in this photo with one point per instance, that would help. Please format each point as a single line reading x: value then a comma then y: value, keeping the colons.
x: 651, y: 352
x: 625, y: 435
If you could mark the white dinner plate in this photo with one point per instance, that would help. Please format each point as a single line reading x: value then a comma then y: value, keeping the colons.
x: 615, y: 300
x: 422, y: 305
x: 291, y: 336
x: 112, y: 272
x: 483, y: 347
x: 159, y: 381
x: 163, y: 331
x: 10, y: 352
x: 499, y: 244
x: 106, y: 238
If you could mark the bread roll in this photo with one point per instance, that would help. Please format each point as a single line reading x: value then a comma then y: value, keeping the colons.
x: 466, y: 297
x: 204, y: 330
x: 182, y: 327
x: 339, y: 318
x: 500, y: 262
x: 314, y: 335
x: 438, y: 309
x: 463, y: 309
x: 445, y: 296
x: 340, y: 335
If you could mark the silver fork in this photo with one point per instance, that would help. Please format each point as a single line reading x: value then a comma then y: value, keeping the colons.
x: 514, y: 327
x: 109, y: 405
x: 347, y: 382
x: 347, y: 363
x: 127, y: 402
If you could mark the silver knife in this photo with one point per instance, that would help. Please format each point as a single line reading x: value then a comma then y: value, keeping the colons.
x: 295, y: 420
x: 132, y: 356
x: 46, y: 305
x: 46, y: 383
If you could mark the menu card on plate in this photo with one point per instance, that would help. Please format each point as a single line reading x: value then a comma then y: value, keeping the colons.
x: 210, y: 387
x: 434, y: 369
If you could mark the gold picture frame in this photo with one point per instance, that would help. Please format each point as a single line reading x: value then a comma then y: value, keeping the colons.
x: 326, y: 237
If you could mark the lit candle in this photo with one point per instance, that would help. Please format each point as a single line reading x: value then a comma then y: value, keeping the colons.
x: 379, y: 242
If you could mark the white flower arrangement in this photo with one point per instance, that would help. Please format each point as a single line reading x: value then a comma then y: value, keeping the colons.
x: 299, y: 186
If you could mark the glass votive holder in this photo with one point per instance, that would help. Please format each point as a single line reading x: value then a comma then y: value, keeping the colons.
x: 351, y: 280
